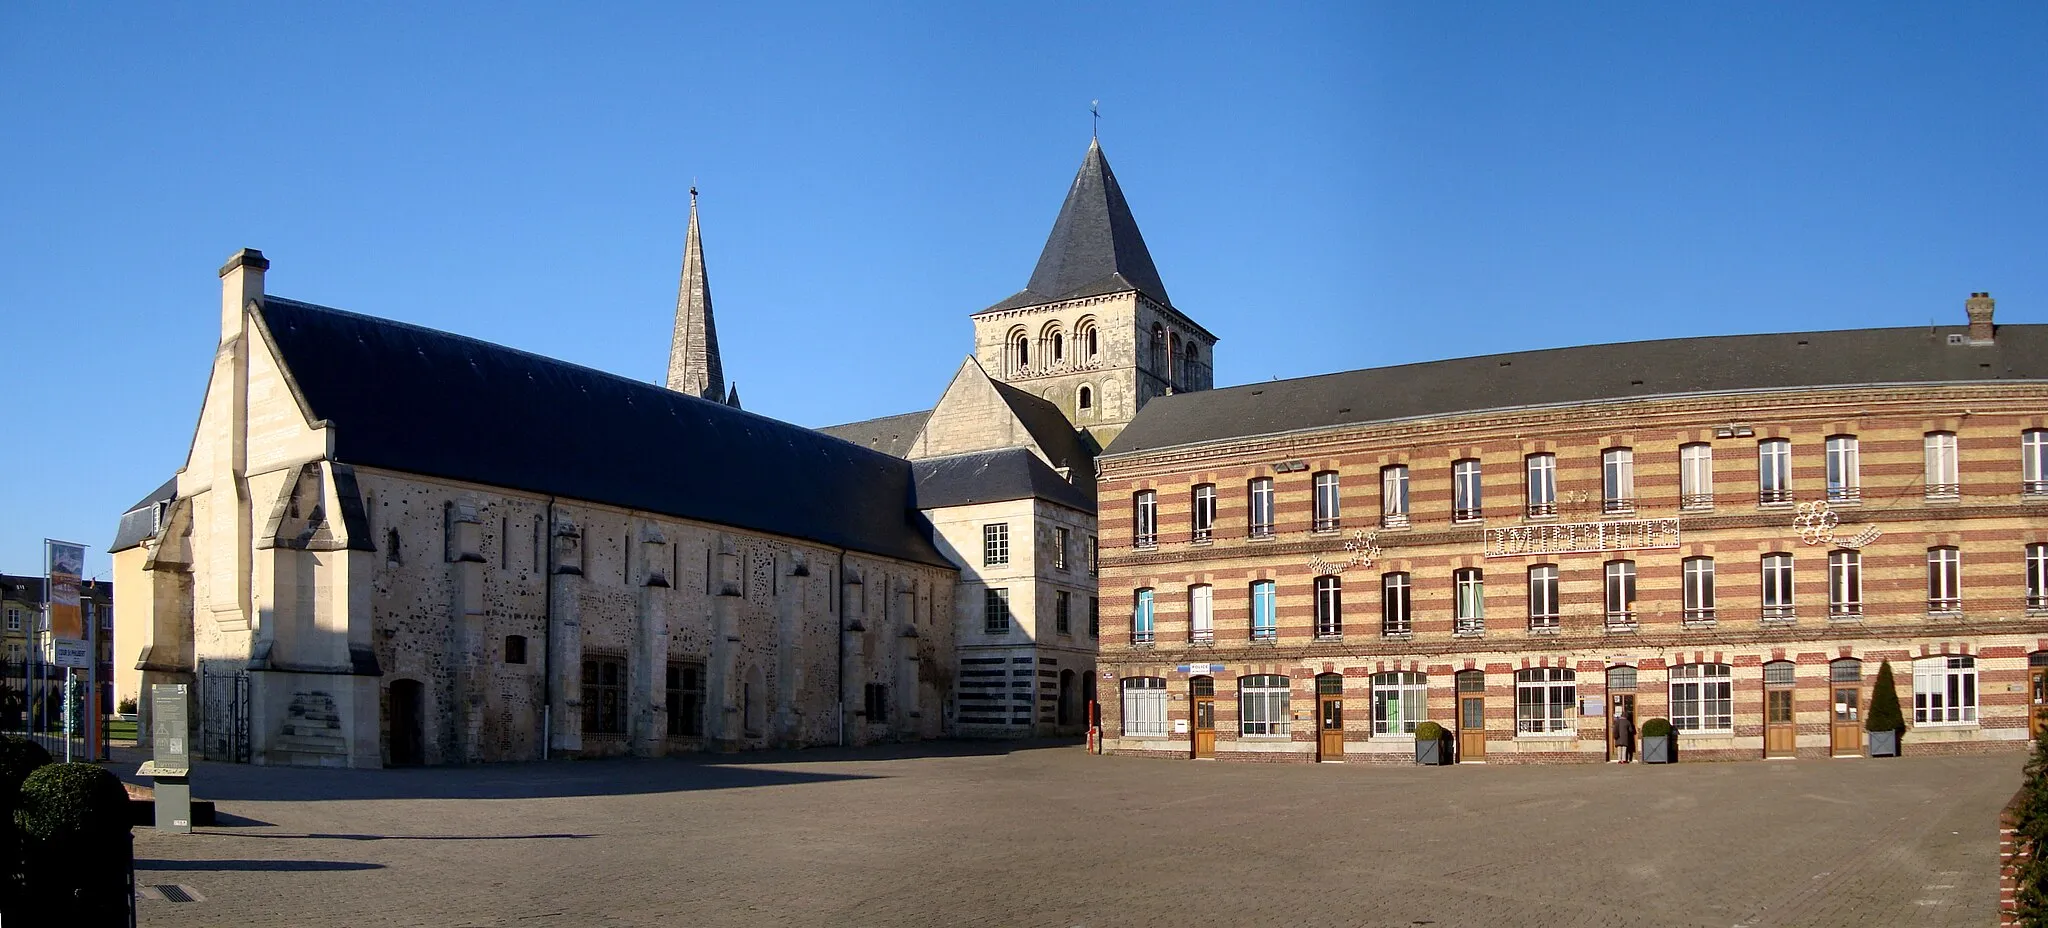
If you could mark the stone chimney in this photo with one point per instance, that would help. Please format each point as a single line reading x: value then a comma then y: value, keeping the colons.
x: 1979, y: 306
x: 241, y: 280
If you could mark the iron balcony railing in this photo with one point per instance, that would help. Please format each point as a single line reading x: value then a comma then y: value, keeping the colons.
x: 1845, y: 494
x: 1141, y: 636
x: 1200, y: 534
x: 1469, y: 626
x: 1845, y: 611
x: 1773, y: 497
x: 1260, y: 531
x: 1621, y: 621
x: 1944, y: 490
x: 1265, y: 633
x: 1394, y: 520
x: 1695, y: 501
x: 2034, y: 487
x: 1148, y: 540
x: 1780, y: 613
x: 1943, y: 606
x: 1543, y: 624
x: 1698, y: 616
x: 1617, y: 506
x: 1330, y: 524
x: 1543, y: 509
x: 1397, y: 628
x: 1202, y: 636
x: 1467, y: 514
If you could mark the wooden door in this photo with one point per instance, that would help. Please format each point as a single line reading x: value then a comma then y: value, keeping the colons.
x: 1847, y: 740
x: 1781, y: 733
x: 2037, y: 701
x: 1623, y: 704
x: 1205, y: 726
x: 1471, y: 728
x: 1330, y: 728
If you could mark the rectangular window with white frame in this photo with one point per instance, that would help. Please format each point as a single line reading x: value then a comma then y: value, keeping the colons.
x: 1702, y: 698
x: 1845, y: 466
x: 1394, y: 496
x: 1696, y: 477
x: 995, y: 544
x: 1265, y: 610
x: 1944, y: 480
x: 1145, y: 707
x: 1326, y: 513
x: 1204, y: 512
x: 2034, y: 462
x: 1262, y: 705
x: 1845, y: 584
x: 1546, y: 701
x: 1618, y: 481
x: 1141, y: 617
x: 1466, y: 502
x: 1698, y: 591
x: 1945, y: 690
x: 1542, y: 484
x: 1145, y: 519
x: 1621, y: 594
x: 1469, y: 585
x: 1260, y: 494
x: 1201, y: 613
x: 2037, y: 577
x: 1774, y: 471
x: 14, y: 620
x: 1777, y: 588
x: 1395, y: 618
x: 1543, y: 614
x: 995, y: 611
x: 1399, y: 702
x: 1944, y: 580
x: 1329, y: 607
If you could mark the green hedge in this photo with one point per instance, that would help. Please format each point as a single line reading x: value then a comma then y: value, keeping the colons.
x: 1657, y: 728
x: 19, y: 757
x: 1429, y: 731
x: 2030, y: 820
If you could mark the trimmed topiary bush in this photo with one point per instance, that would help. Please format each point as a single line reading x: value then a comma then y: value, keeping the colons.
x: 1884, y: 714
x: 1657, y: 728
x: 19, y: 757
x: 76, y: 843
x: 65, y: 803
x: 1429, y: 731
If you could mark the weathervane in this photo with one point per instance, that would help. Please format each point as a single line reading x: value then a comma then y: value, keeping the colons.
x: 1095, y: 111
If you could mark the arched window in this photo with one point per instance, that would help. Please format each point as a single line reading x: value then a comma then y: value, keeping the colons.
x: 1052, y: 345
x: 1399, y: 701
x: 1159, y: 349
x: 1262, y: 704
x: 1187, y: 367
x: 1017, y: 352
x: 1702, y: 698
x: 1145, y: 706
x: 1172, y: 360
x: 1085, y: 342
x: 1084, y: 399
x: 1059, y: 348
x: 1546, y: 700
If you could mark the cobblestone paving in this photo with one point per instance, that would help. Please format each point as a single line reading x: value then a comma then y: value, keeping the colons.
x: 980, y: 836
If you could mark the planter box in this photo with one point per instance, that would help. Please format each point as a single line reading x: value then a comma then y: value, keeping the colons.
x: 1659, y: 749
x: 1432, y: 753
x: 1884, y: 743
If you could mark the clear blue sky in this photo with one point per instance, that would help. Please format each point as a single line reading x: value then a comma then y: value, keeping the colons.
x: 1325, y: 189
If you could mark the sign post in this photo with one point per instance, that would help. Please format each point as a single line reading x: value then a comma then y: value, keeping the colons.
x: 171, y: 765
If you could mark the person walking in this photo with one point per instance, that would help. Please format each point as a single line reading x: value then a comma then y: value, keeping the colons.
x: 1624, y: 736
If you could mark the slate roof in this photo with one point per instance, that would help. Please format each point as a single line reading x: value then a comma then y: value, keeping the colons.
x: 21, y: 589
x: 890, y: 435
x: 412, y: 399
x: 139, y: 522
x: 1592, y: 373
x: 1048, y: 426
x: 995, y: 476
x: 1095, y: 246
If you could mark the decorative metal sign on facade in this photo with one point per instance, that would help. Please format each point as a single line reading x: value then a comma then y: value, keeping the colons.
x: 1816, y: 522
x: 1362, y: 550
x: 1582, y: 537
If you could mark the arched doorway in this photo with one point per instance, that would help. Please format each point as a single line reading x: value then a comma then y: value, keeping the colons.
x: 1069, y: 702
x: 1471, y: 716
x: 1202, y: 702
x: 1781, y: 729
x: 1330, y: 717
x: 407, y: 715
x: 1845, y: 732
x: 1621, y: 703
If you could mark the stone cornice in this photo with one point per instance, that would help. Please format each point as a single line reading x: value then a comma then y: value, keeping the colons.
x: 991, y: 315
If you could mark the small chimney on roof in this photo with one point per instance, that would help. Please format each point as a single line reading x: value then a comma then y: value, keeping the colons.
x: 1979, y: 307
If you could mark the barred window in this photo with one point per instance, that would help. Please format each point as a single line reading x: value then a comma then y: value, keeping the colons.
x: 1702, y: 698
x: 604, y: 696
x: 1846, y: 670
x: 685, y: 700
x: 1144, y: 706
x: 1262, y: 705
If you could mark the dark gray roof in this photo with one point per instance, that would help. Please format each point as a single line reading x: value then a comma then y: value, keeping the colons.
x: 1677, y: 366
x: 890, y: 435
x: 1095, y: 246
x: 412, y: 399
x: 139, y: 522
x: 995, y: 476
x: 1048, y: 426
x: 21, y: 589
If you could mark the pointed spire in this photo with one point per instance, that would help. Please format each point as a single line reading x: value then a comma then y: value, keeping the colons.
x: 693, y: 364
x: 1095, y: 246
x: 732, y: 396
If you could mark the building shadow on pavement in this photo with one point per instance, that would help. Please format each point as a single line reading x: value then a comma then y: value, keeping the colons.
x: 300, y: 866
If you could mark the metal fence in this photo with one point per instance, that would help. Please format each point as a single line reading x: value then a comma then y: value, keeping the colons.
x: 32, y: 705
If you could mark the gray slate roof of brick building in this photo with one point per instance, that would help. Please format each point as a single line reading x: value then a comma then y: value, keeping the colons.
x: 995, y: 476
x: 1592, y: 373
x: 890, y: 435
x: 1095, y: 246
x: 406, y: 398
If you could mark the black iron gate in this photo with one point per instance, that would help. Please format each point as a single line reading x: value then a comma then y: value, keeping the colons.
x: 224, y: 712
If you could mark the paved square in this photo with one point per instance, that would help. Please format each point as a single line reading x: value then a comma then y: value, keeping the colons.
x: 996, y: 835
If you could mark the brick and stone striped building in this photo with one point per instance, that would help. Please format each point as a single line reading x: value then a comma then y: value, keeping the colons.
x: 1732, y: 533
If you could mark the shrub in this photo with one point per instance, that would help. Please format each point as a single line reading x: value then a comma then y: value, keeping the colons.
x: 1429, y: 731
x: 126, y: 706
x: 2030, y: 822
x: 1884, y: 714
x: 1657, y: 728
x: 71, y: 803
x: 19, y: 757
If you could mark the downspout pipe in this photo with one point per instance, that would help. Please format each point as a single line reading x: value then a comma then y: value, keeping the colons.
x: 839, y: 597
x: 546, y: 557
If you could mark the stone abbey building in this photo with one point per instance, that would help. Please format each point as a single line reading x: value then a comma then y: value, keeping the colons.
x: 394, y: 545
x: 1732, y: 533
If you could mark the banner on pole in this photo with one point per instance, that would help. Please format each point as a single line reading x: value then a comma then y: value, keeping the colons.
x: 66, y: 561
